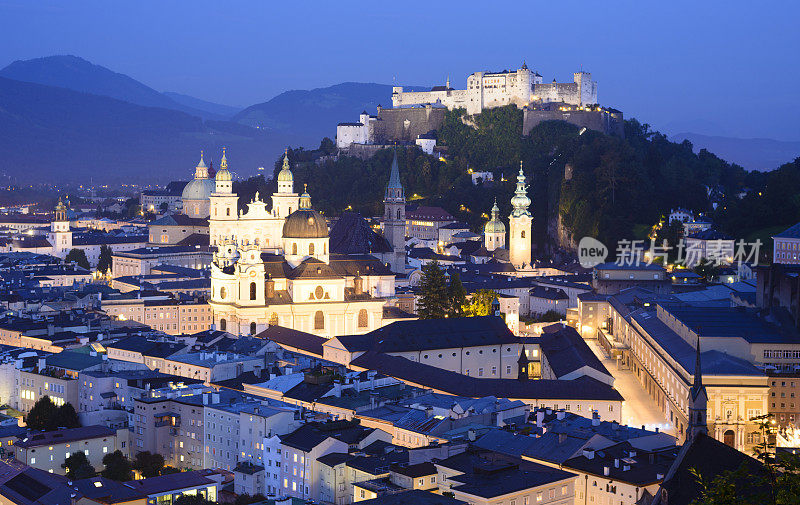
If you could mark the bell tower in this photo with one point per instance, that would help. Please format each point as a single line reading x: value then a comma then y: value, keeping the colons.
x: 520, y: 220
x: 394, y: 219
x: 224, y: 206
x: 60, y: 236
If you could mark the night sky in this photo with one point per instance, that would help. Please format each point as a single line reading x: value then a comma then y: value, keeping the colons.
x: 716, y: 67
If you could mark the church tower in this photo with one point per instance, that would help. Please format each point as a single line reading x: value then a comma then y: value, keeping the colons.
x: 285, y: 201
x: 519, y: 239
x: 224, y: 210
x: 394, y: 223
x: 60, y: 236
x: 698, y: 401
x: 494, y: 233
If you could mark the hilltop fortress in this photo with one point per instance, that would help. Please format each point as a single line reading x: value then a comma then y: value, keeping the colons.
x: 417, y: 114
x: 485, y: 90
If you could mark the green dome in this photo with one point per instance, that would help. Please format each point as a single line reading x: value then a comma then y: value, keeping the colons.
x: 495, y: 225
x: 198, y: 189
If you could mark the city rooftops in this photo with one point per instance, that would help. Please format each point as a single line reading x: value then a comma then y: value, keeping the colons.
x: 212, y: 358
x: 729, y: 322
x: 709, y: 234
x: 62, y: 436
x: 791, y: 232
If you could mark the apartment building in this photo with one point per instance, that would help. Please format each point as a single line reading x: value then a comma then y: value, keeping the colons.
x: 48, y: 450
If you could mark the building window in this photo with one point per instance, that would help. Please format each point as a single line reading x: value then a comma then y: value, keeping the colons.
x: 362, y: 318
x: 253, y: 328
x: 311, y: 249
x: 223, y: 324
x: 273, y: 319
x: 252, y: 290
x: 294, y: 249
x: 319, y: 320
x: 222, y: 292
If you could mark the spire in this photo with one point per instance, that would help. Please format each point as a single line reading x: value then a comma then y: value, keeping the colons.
x: 223, y: 164
x: 395, y: 188
x: 201, y: 170
x: 286, y: 159
x: 495, y: 210
x: 520, y: 201
x: 698, y: 373
x: 202, y: 162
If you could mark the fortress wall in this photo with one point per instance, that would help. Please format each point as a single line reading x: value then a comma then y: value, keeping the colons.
x: 610, y: 123
x: 566, y: 92
x: 405, y: 125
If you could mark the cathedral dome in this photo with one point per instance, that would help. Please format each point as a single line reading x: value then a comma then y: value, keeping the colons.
x: 198, y: 189
x: 305, y: 224
x: 223, y: 175
x: 285, y: 175
x: 495, y: 225
x: 201, y: 187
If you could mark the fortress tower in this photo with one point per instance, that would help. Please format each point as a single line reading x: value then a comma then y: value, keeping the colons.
x: 394, y: 224
x: 519, y: 239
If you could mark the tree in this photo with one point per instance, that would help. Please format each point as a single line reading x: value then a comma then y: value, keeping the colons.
x: 104, y: 262
x: 433, y: 299
x: 77, y: 256
x: 480, y: 304
x: 148, y: 463
x: 246, y: 499
x: 66, y: 417
x: 78, y: 466
x: 456, y: 296
x: 327, y: 146
x: 164, y: 207
x: 117, y: 467
x: 706, y: 270
x: 41, y: 416
x: 45, y: 416
x: 193, y: 499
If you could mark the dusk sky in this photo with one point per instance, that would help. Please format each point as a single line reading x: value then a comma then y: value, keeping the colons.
x: 728, y: 68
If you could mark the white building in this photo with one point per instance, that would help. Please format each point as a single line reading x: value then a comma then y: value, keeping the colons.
x: 486, y: 90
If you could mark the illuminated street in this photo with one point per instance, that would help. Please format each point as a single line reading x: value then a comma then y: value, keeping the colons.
x: 638, y: 408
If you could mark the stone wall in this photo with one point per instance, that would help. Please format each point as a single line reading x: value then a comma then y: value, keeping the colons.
x: 406, y: 124
x: 608, y: 121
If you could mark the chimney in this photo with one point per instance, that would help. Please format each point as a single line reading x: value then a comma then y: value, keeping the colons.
x: 214, y: 397
x: 616, y: 462
x: 269, y: 290
x: 358, y: 284
x: 560, y: 415
x: 337, y: 388
x: 625, y: 468
x: 606, y: 471
x: 595, y: 418
x: 539, y: 418
x: 471, y: 435
x: 656, y: 429
x: 588, y: 453
x: 205, y: 398
x: 659, y: 476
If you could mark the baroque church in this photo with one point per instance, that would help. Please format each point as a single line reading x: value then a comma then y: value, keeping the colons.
x: 520, y: 222
x: 276, y: 267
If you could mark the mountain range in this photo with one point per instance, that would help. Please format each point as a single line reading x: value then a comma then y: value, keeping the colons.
x: 65, y: 119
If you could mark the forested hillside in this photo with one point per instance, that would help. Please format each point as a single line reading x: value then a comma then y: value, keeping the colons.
x: 616, y: 188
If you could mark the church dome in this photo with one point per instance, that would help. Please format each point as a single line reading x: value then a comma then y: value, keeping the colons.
x: 305, y: 224
x: 495, y: 225
x: 224, y: 174
x: 198, y: 189
x: 201, y: 187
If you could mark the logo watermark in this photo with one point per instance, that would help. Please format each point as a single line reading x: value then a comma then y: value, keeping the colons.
x: 591, y: 252
x: 720, y: 252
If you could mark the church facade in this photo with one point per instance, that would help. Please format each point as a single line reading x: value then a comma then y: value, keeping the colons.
x: 275, y: 267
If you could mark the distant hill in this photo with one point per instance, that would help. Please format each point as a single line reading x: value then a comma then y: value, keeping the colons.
x: 210, y: 107
x: 752, y: 154
x: 313, y: 114
x: 55, y: 134
x: 77, y: 74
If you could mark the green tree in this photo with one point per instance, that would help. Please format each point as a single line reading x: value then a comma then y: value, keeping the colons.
x: 433, y: 296
x: 66, y: 417
x: 148, y: 464
x: 706, y: 270
x: 246, y: 499
x: 78, y: 466
x: 104, y: 261
x: 327, y: 146
x: 480, y: 304
x: 77, y: 256
x: 163, y: 207
x: 117, y: 467
x: 41, y: 416
x: 457, y: 296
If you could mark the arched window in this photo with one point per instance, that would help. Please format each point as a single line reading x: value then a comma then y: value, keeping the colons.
x: 196, y: 210
x: 319, y: 320
x: 362, y: 318
x: 223, y: 325
x: 398, y: 213
x: 253, y: 328
x: 311, y: 249
x: 522, y: 234
x: 253, y: 291
x: 222, y: 292
x: 228, y: 211
x: 294, y: 249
